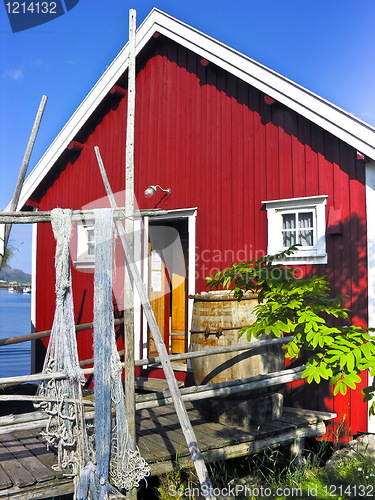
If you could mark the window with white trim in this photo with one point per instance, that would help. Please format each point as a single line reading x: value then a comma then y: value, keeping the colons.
x: 298, y: 221
x: 85, y: 245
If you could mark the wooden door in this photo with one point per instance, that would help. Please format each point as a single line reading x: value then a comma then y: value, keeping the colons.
x: 178, y: 314
x: 159, y: 298
x: 168, y: 285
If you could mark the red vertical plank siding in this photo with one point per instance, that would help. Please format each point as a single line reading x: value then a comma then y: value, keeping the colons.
x: 261, y: 176
x: 285, y: 148
x: 298, y: 160
x: 216, y: 143
x: 311, y: 175
x: 237, y: 198
x: 272, y: 158
x: 358, y: 304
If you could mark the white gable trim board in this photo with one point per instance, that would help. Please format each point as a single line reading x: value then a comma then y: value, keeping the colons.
x: 350, y: 129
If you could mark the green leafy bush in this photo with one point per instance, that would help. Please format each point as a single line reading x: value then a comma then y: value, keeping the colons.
x: 302, y: 308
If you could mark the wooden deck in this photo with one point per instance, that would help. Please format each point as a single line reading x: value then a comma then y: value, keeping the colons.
x: 26, y: 465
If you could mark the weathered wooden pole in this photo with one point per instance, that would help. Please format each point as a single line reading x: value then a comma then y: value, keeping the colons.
x: 4, y: 238
x: 47, y: 333
x: 193, y: 393
x: 129, y: 230
x: 77, y: 215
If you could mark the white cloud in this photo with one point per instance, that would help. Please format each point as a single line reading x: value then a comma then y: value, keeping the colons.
x: 13, y: 74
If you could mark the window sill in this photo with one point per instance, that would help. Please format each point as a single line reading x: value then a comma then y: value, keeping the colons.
x: 80, y: 264
x: 296, y: 259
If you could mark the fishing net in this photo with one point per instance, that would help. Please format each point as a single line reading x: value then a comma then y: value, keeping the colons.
x: 112, y: 455
x: 117, y: 457
x: 63, y: 398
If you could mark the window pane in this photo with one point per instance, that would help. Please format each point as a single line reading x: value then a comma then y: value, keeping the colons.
x: 90, y: 241
x: 306, y: 238
x: 289, y: 234
x: 305, y: 219
x: 289, y: 221
x: 289, y: 238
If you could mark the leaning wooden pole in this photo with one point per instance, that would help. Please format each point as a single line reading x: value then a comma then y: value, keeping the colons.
x: 22, y: 174
x: 183, y: 417
x: 129, y: 229
x: 47, y: 333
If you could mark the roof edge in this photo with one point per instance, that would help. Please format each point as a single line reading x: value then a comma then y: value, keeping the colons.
x: 330, y: 117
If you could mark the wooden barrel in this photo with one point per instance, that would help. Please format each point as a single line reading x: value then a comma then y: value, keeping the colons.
x: 217, y: 318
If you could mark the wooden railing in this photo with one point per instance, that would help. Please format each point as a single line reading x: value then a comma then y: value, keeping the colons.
x: 150, y: 362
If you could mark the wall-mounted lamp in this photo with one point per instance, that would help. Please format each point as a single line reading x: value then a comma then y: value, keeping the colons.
x: 151, y: 190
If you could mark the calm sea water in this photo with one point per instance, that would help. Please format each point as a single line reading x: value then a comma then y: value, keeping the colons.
x: 14, y: 320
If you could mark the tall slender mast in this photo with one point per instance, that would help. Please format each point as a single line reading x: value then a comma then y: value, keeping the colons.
x: 129, y: 229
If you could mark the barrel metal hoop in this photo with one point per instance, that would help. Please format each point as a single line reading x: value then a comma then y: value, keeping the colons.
x: 229, y: 299
x: 218, y: 331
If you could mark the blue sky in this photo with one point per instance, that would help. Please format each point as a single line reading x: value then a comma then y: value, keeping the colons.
x: 325, y: 45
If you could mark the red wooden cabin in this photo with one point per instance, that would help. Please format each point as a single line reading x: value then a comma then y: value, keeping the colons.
x: 252, y: 159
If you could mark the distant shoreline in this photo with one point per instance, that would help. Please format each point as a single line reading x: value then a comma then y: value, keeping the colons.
x: 17, y: 286
x: 10, y: 276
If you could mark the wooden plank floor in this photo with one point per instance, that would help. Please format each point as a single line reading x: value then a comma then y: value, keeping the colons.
x: 26, y: 471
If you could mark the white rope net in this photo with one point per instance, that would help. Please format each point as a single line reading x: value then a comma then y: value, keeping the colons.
x: 113, y: 456
x: 116, y: 455
x: 66, y: 425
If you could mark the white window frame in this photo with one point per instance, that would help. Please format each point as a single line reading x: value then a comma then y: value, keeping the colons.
x: 315, y: 254
x: 84, y: 259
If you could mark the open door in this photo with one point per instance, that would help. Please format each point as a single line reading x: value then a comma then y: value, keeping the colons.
x: 168, y: 282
